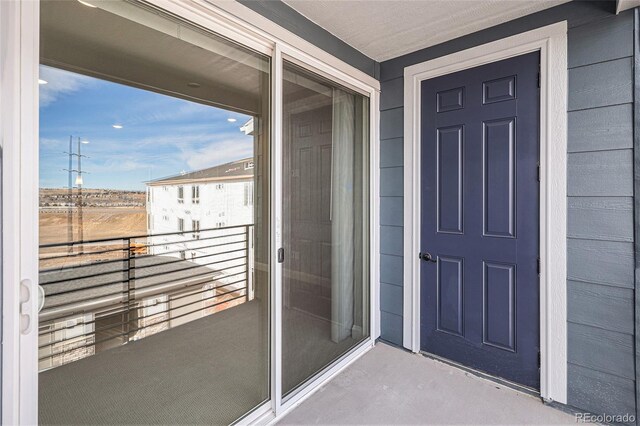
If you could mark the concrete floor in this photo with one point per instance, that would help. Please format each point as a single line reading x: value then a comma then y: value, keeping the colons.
x: 391, y: 386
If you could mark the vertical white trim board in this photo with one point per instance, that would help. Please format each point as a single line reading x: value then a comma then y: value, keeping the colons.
x: 19, y: 44
x: 551, y: 42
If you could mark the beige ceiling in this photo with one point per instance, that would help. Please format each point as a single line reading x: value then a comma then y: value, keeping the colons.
x: 385, y: 29
x: 134, y: 45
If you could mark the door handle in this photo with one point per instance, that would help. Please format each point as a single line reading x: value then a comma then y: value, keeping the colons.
x: 427, y: 257
x: 27, y: 306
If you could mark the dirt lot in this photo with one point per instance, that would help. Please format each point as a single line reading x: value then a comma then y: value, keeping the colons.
x: 107, y: 213
x: 99, y: 222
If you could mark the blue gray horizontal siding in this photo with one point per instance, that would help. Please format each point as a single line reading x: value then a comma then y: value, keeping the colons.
x: 391, y: 208
x: 600, y: 250
x: 600, y: 275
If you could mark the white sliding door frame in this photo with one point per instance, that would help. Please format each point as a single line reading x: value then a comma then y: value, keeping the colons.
x: 300, y: 58
x: 551, y: 42
x: 19, y: 41
x: 19, y: 46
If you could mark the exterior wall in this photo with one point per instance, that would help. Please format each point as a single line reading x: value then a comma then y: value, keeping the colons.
x: 221, y: 204
x: 600, y: 205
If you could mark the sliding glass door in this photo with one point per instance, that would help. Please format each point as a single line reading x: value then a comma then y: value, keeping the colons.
x: 154, y: 219
x: 325, y: 307
x: 204, y: 216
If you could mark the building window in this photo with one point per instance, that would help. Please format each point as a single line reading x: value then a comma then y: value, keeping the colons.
x: 248, y: 194
x: 220, y: 186
x: 149, y: 222
x: 180, y: 224
x: 195, y: 227
x: 195, y: 194
x: 149, y: 198
x: 180, y: 194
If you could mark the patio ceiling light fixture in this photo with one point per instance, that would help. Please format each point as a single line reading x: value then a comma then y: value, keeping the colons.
x: 41, y: 81
x: 231, y: 120
x: 87, y: 3
x: 117, y: 126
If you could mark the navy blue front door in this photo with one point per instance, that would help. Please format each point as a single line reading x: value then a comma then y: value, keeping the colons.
x: 479, y: 236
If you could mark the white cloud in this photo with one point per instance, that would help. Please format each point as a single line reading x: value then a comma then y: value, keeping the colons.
x: 219, y: 153
x: 59, y: 82
x: 118, y: 164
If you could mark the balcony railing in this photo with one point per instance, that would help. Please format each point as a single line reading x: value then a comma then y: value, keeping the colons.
x: 105, y: 293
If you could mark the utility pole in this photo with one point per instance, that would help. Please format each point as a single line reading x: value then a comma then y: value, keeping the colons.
x: 79, y: 182
x: 70, y: 197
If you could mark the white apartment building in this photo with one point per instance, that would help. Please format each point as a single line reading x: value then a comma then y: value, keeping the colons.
x: 206, y: 217
x: 199, y: 201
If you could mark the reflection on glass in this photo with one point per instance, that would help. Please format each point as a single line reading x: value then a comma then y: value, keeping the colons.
x: 326, y: 226
x: 154, y: 189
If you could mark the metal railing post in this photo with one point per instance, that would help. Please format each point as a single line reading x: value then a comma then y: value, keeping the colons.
x: 249, y: 271
x: 130, y: 276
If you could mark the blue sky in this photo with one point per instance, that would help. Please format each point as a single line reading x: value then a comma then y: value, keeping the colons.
x: 161, y: 135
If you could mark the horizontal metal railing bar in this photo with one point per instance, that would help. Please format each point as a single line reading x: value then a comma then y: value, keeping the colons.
x: 102, y: 240
x: 73, y: 290
x: 109, y: 298
x: 160, y: 287
x: 84, y: 277
x: 171, y: 262
x: 244, y: 240
x: 89, y: 288
x: 136, y: 257
x: 190, y: 303
x: 126, y: 262
x: 182, y: 296
x: 122, y: 302
x: 134, y: 330
x: 84, y: 253
x: 127, y: 247
x: 80, y: 336
x: 105, y: 299
x: 190, y: 267
x: 123, y: 312
x: 168, y: 243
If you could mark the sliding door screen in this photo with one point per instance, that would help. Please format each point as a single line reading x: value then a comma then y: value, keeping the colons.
x: 326, y: 223
x: 154, y: 219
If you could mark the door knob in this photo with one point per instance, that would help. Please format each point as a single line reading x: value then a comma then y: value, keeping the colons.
x: 427, y: 257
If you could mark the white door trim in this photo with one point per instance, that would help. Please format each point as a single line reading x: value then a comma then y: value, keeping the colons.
x: 551, y: 42
x: 19, y: 42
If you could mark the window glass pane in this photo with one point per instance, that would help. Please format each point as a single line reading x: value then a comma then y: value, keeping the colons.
x: 326, y: 224
x: 153, y: 261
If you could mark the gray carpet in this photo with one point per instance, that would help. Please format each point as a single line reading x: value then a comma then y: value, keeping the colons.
x: 209, y: 371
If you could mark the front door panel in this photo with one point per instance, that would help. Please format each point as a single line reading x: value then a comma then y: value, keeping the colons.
x: 480, y: 203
